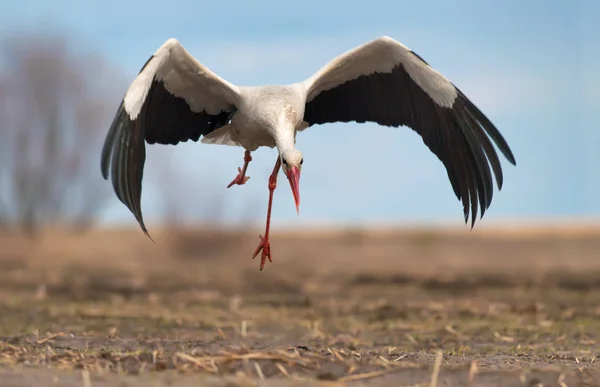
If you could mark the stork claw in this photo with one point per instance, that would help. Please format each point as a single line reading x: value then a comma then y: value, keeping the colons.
x: 265, y: 246
x: 240, y: 179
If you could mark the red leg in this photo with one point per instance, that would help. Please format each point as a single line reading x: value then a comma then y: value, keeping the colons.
x: 265, y: 244
x: 241, y: 177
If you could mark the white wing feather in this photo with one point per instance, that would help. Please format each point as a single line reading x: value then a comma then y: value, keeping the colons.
x: 380, y: 56
x: 184, y: 77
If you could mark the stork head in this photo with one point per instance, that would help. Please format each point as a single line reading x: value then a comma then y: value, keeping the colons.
x: 291, y: 162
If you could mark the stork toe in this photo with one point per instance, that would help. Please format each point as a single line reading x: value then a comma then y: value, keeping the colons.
x: 240, y: 179
x: 265, y: 247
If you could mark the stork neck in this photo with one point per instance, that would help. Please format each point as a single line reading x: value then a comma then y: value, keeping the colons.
x: 285, y: 143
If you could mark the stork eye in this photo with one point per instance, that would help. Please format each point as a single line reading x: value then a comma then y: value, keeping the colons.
x: 301, y: 161
x: 284, y: 162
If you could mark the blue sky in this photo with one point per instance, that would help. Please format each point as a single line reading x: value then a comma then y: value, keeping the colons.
x: 531, y: 66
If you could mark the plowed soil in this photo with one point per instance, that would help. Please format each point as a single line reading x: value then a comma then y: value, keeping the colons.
x: 381, y: 308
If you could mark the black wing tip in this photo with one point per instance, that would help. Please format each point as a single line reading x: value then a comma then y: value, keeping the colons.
x: 137, y: 213
x: 473, y: 217
x: 511, y: 159
x: 145, y: 230
x: 487, y: 125
x: 507, y: 152
x: 140, y: 219
x: 116, y: 159
x: 492, y: 132
x: 104, y: 172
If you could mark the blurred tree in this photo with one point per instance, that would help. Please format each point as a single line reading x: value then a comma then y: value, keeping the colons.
x: 56, y: 103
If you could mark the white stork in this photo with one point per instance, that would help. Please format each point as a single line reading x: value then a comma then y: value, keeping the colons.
x: 175, y: 98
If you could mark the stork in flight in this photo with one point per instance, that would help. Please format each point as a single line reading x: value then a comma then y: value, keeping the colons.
x: 175, y: 98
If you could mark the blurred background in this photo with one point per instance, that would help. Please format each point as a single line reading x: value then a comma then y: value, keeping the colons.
x: 65, y: 65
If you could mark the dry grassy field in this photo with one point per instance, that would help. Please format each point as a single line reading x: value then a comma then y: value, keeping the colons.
x: 385, y: 308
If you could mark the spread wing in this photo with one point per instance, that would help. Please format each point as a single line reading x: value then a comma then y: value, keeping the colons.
x: 173, y: 99
x: 385, y: 82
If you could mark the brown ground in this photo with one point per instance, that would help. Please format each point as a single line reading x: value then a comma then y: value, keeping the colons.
x: 111, y: 308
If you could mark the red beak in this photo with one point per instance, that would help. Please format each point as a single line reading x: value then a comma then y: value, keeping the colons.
x: 293, y: 176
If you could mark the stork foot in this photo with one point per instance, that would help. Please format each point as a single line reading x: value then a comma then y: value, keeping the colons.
x: 265, y: 246
x: 240, y: 179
